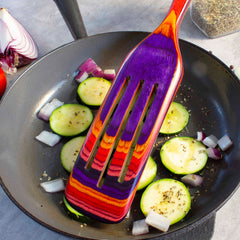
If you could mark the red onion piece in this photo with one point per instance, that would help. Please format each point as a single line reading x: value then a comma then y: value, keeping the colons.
x: 46, y: 111
x: 109, y: 74
x: 81, y: 76
x: 210, y: 141
x: 48, y: 138
x: 140, y: 227
x: 193, y: 180
x: 56, y: 185
x: 97, y: 72
x: 17, y: 47
x: 158, y: 221
x: 225, y: 142
x: 88, y: 66
x: 200, y: 136
x: 213, y: 153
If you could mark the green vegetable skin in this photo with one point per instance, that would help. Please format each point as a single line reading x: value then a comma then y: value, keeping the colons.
x: 167, y: 197
x: 70, y: 119
x: 149, y: 173
x: 70, y: 151
x: 93, y: 90
x: 176, y: 119
x: 74, y: 213
x: 183, y: 155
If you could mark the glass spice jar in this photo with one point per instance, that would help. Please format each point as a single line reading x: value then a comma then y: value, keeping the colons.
x: 216, y: 18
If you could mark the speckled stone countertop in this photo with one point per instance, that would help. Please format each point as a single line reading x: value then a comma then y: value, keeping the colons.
x: 45, y: 23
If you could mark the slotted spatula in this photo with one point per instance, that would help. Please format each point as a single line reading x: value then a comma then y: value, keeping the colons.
x: 105, y: 176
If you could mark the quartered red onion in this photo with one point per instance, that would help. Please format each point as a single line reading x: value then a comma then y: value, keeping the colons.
x: 17, y: 47
x: 192, y: 179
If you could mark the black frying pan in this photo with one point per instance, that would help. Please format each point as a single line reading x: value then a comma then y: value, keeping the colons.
x: 209, y: 90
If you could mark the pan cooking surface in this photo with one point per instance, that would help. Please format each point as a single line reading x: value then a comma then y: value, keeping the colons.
x: 209, y: 91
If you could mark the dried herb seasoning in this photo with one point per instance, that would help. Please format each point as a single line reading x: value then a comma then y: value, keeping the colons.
x: 216, y: 17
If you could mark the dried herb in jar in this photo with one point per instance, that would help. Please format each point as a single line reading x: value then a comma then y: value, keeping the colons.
x: 216, y: 17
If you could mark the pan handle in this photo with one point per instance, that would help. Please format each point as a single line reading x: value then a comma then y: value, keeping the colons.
x: 72, y: 16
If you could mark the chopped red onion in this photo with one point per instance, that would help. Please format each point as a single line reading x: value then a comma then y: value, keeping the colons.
x: 56, y: 185
x: 200, y: 136
x: 213, y: 153
x: 158, y: 221
x: 88, y: 66
x: 210, y: 141
x: 193, y: 180
x: 17, y: 47
x: 49, y: 138
x: 140, y: 227
x: 81, y: 76
x: 97, y: 72
x: 109, y: 74
x: 225, y: 142
x: 46, y: 111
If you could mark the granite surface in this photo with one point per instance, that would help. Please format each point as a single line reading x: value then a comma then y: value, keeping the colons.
x: 43, y: 20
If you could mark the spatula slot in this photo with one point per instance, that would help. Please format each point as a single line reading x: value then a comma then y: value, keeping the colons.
x: 137, y: 134
x: 118, y: 136
x: 105, y: 125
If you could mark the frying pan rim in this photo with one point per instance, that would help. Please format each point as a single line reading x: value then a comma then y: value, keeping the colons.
x: 42, y: 58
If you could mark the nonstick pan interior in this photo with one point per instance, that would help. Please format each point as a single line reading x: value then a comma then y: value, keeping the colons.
x: 209, y: 91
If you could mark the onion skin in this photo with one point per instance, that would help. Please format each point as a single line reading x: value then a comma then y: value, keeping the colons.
x: 17, y: 47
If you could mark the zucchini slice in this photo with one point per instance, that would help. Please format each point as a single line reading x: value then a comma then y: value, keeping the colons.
x: 93, y: 90
x: 167, y: 197
x: 70, y: 119
x: 183, y: 155
x: 74, y: 213
x: 149, y: 173
x: 176, y: 119
x: 70, y: 151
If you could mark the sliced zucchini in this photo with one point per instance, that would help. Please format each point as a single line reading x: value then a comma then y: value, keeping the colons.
x: 70, y: 119
x: 183, y: 155
x: 167, y: 197
x: 70, y: 151
x: 74, y: 213
x: 93, y: 90
x: 176, y: 119
x: 149, y: 173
